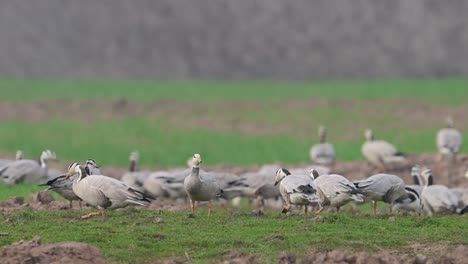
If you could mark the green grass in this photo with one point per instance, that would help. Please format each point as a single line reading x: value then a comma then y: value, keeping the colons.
x: 133, y: 235
x: 449, y: 90
x: 286, y: 131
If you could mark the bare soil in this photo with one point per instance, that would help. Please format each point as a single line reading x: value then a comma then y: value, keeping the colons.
x: 64, y: 252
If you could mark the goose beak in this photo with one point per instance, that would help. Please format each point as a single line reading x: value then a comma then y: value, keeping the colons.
x: 276, y: 183
x: 68, y: 175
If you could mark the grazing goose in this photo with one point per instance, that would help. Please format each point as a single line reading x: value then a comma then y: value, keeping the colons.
x: 260, y: 186
x: 201, y: 187
x: 412, y: 203
x: 322, y: 153
x: 418, y: 183
x: 103, y: 192
x: 335, y: 190
x: 437, y: 199
x: 379, y: 152
x: 27, y: 170
x: 449, y: 141
x: 63, y: 185
x: 296, y: 189
x: 135, y: 178
x: 382, y: 187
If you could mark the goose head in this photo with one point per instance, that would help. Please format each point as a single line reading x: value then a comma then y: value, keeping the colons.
x: 74, y: 169
x: 449, y: 122
x: 322, y: 134
x: 90, y: 166
x: 427, y: 175
x: 313, y: 174
x: 280, y: 175
x: 416, y: 175
x: 46, y: 155
x: 196, y: 160
x: 369, y: 134
x: 19, y: 155
x: 135, y: 156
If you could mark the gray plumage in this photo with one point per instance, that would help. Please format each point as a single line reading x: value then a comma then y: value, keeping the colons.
x: 135, y: 178
x: 382, y: 187
x: 201, y: 187
x: 412, y: 203
x: 296, y: 189
x: 449, y: 140
x: 379, y: 152
x: 27, y: 170
x: 104, y: 192
x: 322, y: 153
x: 335, y: 190
x: 64, y: 187
x: 437, y: 199
x: 92, y: 168
x: 19, y: 156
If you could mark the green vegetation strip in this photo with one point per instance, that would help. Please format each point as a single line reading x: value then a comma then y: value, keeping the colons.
x: 136, y: 236
x: 445, y: 90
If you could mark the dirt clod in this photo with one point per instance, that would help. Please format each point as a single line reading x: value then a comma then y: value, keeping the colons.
x: 239, y: 258
x: 63, y: 252
x: 42, y: 197
x: 286, y: 258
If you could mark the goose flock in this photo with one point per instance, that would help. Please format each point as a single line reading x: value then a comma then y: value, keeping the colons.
x: 314, y: 186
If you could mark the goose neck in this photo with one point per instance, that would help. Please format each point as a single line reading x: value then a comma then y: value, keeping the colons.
x: 133, y: 166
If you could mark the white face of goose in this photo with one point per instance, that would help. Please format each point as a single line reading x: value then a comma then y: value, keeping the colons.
x: 416, y: 173
x: 91, y: 164
x: 196, y: 160
x: 19, y: 155
x: 280, y: 175
x: 427, y: 175
x: 134, y: 156
x: 369, y: 135
x: 48, y: 155
x: 73, y: 169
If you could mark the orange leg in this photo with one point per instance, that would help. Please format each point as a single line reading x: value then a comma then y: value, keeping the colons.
x: 209, y: 208
x: 86, y: 216
x: 192, y: 206
x: 374, y: 207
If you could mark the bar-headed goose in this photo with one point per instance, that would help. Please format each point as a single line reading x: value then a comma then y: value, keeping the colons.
x: 135, y: 178
x: 379, y: 152
x: 296, y: 189
x: 63, y: 185
x: 382, y: 187
x: 323, y: 153
x: 201, y: 187
x: 92, y: 168
x: 27, y: 170
x: 335, y: 190
x: 103, y: 192
x: 437, y: 199
x: 412, y: 203
x: 449, y: 140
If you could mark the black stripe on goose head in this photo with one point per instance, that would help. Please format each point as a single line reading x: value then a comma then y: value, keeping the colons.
x: 412, y: 194
x: 286, y: 171
x: 84, y: 171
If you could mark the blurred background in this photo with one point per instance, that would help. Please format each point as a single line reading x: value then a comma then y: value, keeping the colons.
x: 242, y: 82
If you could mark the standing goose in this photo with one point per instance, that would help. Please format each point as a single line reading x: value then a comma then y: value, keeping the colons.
x: 449, y: 141
x: 382, y: 187
x: 63, y: 185
x: 437, y: 199
x: 335, y: 190
x: 323, y: 153
x: 201, y: 187
x: 103, y: 192
x: 296, y: 189
x: 379, y: 152
x: 27, y: 170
